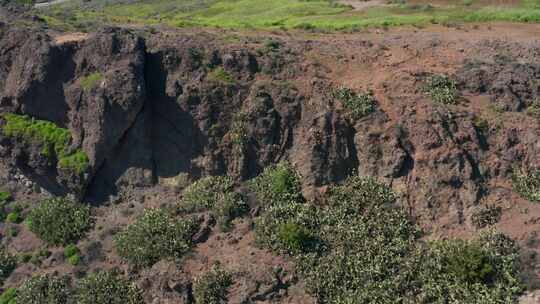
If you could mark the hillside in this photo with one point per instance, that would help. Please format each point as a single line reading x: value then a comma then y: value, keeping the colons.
x: 149, y: 156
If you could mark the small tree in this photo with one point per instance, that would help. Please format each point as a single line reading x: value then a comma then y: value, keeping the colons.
x: 213, y: 286
x: 108, y: 287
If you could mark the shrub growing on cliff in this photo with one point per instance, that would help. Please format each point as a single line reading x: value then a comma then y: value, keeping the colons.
x: 220, y: 75
x: 212, y: 287
x: 278, y: 183
x: 53, y: 140
x: 527, y: 185
x: 45, y: 289
x: 90, y: 81
x: 8, y: 263
x: 486, y: 216
x: 108, y: 287
x: 359, y: 105
x: 154, y: 236
x: 442, y: 89
x: 214, y: 193
x: 59, y: 221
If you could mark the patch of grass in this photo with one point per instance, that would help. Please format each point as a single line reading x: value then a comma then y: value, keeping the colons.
x: 70, y: 250
x: 527, y: 184
x: 53, y: 139
x: 74, y: 260
x: 90, y: 81
x: 442, y: 89
x: 154, y: 236
x: 59, y: 221
x: 279, y: 14
x: 213, y: 286
x: 14, y: 217
x: 108, y: 287
x: 220, y: 75
x: 45, y: 289
x: 359, y: 105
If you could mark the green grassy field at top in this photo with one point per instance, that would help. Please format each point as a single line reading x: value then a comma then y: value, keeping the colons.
x: 278, y: 14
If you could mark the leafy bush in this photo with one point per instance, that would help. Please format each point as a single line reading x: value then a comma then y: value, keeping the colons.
x: 70, y: 250
x: 90, y: 81
x: 229, y: 206
x: 483, y: 270
x: 527, y: 185
x: 486, y: 216
x: 74, y: 260
x: 442, y: 89
x: 108, y: 287
x: 294, y: 237
x: 53, y: 139
x: 214, y: 193
x: 154, y: 236
x: 204, y: 193
x: 4, y: 197
x: 45, y: 289
x: 278, y: 183
x: 59, y: 221
x: 360, y: 105
x: 8, y: 296
x: 361, y: 248
x: 14, y: 217
x: 369, y: 246
x: 212, y: 287
x: 8, y: 263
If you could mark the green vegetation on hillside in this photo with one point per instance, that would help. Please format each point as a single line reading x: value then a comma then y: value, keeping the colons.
x: 7, y: 264
x: 285, y: 14
x: 362, y: 248
x: 527, y: 184
x: 214, y: 194
x: 108, y: 287
x: 59, y: 221
x: 212, y: 287
x: 45, y: 289
x: 54, y: 140
x: 154, y: 236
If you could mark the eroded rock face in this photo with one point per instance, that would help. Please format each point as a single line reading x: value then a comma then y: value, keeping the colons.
x: 163, y: 106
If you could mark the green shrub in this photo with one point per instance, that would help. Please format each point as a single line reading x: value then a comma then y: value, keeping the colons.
x: 70, y: 250
x: 359, y: 105
x: 108, y: 287
x: 204, y: 193
x: 8, y: 296
x: 220, y: 75
x: 527, y: 185
x: 229, y: 206
x: 8, y: 263
x: 442, y: 89
x: 214, y: 193
x: 4, y: 197
x: 294, y: 237
x: 212, y: 287
x: 486, y: 216
x: 369, y: 245
x: 278, y: 183
x: 154, y: 236
x: 45, y: 289
x: 90, y: 81
x: 484, y: 270
x: 14, y: 217
x: 59, y: 221
x: 74, y: 260
x: 53, y: 139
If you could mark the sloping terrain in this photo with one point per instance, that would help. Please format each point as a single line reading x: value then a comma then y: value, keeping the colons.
x: 445, y: 117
